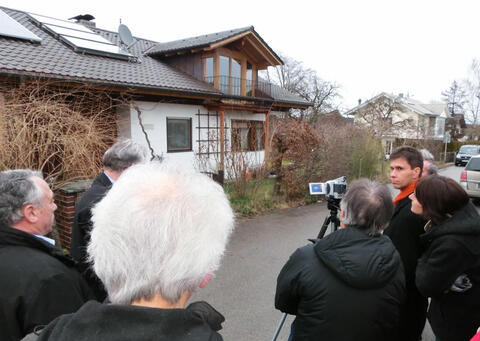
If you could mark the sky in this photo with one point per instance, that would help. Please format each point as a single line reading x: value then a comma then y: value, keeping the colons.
x: 366, y: 47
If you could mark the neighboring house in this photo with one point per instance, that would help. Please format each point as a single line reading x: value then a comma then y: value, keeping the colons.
x: 389, y: 117
x: 198, y: 97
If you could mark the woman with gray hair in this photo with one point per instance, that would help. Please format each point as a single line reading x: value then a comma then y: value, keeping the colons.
x: 158, y: 235
x: 349, y: 285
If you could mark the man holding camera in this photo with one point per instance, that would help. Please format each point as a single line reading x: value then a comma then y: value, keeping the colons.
x: 406, y: 164
x: 349, y: 285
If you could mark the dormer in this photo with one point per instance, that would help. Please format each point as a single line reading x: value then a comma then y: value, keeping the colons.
x: 228, y: 60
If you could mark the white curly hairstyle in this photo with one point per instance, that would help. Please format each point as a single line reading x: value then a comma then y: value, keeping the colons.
x: 160, y: 230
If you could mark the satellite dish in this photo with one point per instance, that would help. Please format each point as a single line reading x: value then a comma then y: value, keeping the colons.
x: 125, y: 35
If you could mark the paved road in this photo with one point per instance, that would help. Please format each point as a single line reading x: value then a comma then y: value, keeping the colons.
x: 244, y: 287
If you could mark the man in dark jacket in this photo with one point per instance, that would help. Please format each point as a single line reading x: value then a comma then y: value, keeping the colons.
x: 406, y: 164
x: 349, y: 285
x: 116, y: 159
x: 158, y: 235
x: 38, y: 281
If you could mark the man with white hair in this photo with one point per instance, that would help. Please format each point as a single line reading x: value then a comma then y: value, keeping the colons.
x: 38, y: 281
x: 123, y: 154
x: 349, y: 285
x: 429, y: 166
x: 158, y: 235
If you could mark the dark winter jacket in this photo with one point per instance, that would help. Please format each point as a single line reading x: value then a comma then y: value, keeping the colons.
x: 453, y: 250
x: 81, y: 232
x: 99, y: 322
x: 38, y: 282
x: 347, y: 286
x: 405, y: 230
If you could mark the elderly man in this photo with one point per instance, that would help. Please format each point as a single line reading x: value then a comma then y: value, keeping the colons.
x: 349, y: 285
x: 116, y: 159
x: 429, y: 166
x: 38, y: 282
x: 158, y: 235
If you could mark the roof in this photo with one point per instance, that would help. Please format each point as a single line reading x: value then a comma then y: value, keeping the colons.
x: 432, y: 109
x: 53, y: 59
x: 208, y: 40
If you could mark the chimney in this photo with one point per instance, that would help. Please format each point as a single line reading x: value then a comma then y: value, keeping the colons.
x: 87, y: 23
x: 359, y: 101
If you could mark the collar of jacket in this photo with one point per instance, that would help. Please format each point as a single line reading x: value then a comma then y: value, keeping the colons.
x: 12, y: 237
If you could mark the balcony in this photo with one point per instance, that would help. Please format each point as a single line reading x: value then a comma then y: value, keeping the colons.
x: 233, y: 86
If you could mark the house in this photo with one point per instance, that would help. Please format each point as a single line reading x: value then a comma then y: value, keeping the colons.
x: 197, y: 98
x: 192, y: 101
x: 389, y: 117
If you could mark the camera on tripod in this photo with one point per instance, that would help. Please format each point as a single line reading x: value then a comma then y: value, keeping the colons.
x: 331, y: 189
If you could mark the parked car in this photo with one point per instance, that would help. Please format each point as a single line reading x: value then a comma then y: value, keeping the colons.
x: 465, y: 153
x: 470, y: 177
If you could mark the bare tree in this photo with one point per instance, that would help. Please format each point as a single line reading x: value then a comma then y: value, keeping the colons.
x: 472, y: 86
x: 455, y: 98
x: 305, y: 82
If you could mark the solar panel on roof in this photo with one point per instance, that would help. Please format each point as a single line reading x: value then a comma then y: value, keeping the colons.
x: 9, y: 27
x: 81, y: 38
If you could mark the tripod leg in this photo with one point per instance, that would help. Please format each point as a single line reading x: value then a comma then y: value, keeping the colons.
x: 324, y: 228
x: 279, y: 327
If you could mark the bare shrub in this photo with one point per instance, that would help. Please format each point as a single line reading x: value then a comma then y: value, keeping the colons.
x: 61, y: 131
x: 301, y: 154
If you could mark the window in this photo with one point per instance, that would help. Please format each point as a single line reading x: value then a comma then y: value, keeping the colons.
x: 236, y: 77
x: 225, y: 74
x: 209, y: 70
x: 179, y: 134
x: 247, y: 135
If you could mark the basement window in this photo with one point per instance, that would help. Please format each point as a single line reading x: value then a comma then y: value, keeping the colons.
x: 179, y: 135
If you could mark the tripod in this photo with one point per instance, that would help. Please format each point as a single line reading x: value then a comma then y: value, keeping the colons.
x: 333, y: 205
x: 331, y: 220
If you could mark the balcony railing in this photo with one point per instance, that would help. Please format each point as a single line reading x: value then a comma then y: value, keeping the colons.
x: 233, y: 86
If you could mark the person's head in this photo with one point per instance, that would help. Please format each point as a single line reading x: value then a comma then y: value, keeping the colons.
x: 26, y: 201
x: 429, y: 168
x: 436, y: 197
x: 406, y: 164
x: 367, y: 205
x: 123, y: 154
x: 160, y: 230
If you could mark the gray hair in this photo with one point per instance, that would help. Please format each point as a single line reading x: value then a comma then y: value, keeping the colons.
x: 426, y: 155
x: 122, y: 154
x: 367, y: 205
x: 160, y: 230
x: 16, y: 190
x: 432, y: 168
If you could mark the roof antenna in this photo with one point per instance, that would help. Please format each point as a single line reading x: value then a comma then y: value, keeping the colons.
x: 125, y: 35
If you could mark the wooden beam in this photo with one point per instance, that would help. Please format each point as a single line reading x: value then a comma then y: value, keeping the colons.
x: 243, y: 85
x: 229, y: 40
x: 216, y: 72
x: 267, y: 137
x: 222, y: 139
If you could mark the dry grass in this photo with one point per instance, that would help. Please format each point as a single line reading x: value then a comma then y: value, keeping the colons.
x: 62, y: 132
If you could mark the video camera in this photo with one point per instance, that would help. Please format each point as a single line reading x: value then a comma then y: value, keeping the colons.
x: 332, y: 189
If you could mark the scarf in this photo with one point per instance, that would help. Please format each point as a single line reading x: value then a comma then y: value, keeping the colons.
x: 405, y: 192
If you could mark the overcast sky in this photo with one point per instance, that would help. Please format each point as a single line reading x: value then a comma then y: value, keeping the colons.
x: 367, y: 47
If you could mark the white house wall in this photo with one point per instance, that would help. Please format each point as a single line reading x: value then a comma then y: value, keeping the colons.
x: 154, y: 119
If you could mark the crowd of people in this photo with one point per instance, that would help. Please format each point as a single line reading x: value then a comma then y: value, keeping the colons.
x: 146, y: 235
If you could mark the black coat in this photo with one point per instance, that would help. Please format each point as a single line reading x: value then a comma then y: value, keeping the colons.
x: 347, y: 286
x: 453, y: 249
x: 99, y: 322
x: 38, y: 283
x: 405, y: 230
x: 82, y: 225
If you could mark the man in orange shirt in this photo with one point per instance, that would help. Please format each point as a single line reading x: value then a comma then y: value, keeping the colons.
x: 406, y: 164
